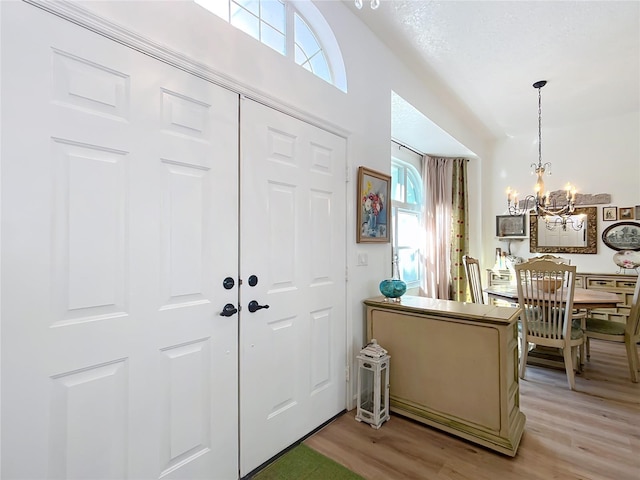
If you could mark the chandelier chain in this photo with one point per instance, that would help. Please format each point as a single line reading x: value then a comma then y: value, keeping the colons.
x: 539, y: 127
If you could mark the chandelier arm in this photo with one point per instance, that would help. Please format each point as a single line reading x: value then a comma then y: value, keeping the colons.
x: 515, y: 209
x: 553, y: 212
x: 562, y: 222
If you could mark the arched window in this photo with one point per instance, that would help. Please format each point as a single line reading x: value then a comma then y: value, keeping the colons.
x: 406, y: 212
x: 296, y: 30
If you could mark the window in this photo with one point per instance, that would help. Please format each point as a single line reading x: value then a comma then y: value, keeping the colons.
x: 264, y: 20
x: 406, y: 217
x: 298, y: 32
x: 308, y: 52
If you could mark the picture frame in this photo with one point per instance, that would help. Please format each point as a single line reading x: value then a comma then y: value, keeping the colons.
x: 637, y: 212
x: 622, y: 236
x: 511, y: 226
x: 609, y: 214
x: 373, y: 209
x: 625, y: 213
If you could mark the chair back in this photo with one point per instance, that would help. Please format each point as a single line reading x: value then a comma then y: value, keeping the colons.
x: 633, y: 322
x: 472, y: 269
x: 545, y: 293
x: 553, y: 258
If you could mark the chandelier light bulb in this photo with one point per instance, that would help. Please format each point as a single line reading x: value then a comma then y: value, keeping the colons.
x: 375, y: 4
x: 358, y: 4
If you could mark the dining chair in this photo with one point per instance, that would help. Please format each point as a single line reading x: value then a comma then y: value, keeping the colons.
x: 472, y: 269
x: 627, y: 333
x: 545, y: 294
x: 577, y: 314
x: 553, y: 258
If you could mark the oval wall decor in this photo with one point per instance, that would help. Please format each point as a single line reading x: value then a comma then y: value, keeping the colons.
x: 622, y: 236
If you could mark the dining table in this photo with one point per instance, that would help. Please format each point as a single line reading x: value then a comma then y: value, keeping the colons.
x: 583, y: 299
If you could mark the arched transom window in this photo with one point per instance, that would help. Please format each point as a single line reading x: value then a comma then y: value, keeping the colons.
x: 294, y: 29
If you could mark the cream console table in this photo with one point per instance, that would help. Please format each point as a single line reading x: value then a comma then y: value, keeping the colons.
x: 454, y: 366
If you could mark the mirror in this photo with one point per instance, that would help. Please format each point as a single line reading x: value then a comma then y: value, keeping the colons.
x: 551, y: 237
x: 556, y: 232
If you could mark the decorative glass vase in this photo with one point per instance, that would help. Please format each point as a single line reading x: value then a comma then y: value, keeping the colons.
x: 393, y: 288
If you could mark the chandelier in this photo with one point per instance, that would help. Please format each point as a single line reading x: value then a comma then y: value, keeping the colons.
x: 374, y: 4
x: 554, y: 215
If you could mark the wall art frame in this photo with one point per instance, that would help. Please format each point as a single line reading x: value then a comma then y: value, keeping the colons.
x: 511, y: 226
x: 373, y: 208
x: 622, y: 236
x: 609, y: 214
x: 625, y: 213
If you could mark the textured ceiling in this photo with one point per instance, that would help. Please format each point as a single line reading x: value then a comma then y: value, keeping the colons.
x: 489, y: 53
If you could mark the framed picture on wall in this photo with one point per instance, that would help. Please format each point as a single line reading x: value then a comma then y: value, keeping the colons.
x: 373, y: 212
x: 609, y: 214
x: 510, y: 226
x: 625, y: 213
x: 622, y: 236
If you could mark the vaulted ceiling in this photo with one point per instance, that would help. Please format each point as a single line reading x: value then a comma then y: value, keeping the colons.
x: 489, y: 53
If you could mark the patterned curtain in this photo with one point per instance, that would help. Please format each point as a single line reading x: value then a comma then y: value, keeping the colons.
x: 459, y: 231
x: 446, y: 237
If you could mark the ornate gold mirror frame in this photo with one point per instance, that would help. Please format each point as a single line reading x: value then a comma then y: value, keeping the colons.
x: 591, y: 225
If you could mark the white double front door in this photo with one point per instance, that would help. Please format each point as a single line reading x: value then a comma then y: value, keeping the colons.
x: 121, y: 184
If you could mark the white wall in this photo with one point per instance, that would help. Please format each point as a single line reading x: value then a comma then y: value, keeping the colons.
x: 373, y: 73
x: 596, y: 157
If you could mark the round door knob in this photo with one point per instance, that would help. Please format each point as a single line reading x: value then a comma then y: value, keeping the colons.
x: 228, y: 310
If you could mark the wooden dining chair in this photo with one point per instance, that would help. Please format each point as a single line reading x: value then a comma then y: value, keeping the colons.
x: 579, y: 315
x: 545, y: 294
x: 474, y: 280
x: 553, y: 258
x: 627, y: 333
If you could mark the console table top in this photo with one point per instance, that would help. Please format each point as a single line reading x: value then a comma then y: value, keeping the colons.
x: 448, y: 308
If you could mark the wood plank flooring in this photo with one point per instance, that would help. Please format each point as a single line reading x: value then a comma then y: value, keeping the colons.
x: 592, y: 433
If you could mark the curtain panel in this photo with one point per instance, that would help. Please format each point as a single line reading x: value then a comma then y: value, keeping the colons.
x: 459, y: 231
x: 445, y: 221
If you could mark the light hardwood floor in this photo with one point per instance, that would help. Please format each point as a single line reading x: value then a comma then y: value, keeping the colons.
x: 592, y: 433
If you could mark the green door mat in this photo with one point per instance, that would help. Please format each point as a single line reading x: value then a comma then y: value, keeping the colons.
x: 304, y: 463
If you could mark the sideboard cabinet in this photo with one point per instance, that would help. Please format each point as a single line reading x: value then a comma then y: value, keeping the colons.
x: 498, y: 277
x: 622, y: 285
x: 454, y: 366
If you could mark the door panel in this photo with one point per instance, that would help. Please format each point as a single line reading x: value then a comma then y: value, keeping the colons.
x: 292, y: 238
x: 116, y: 362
